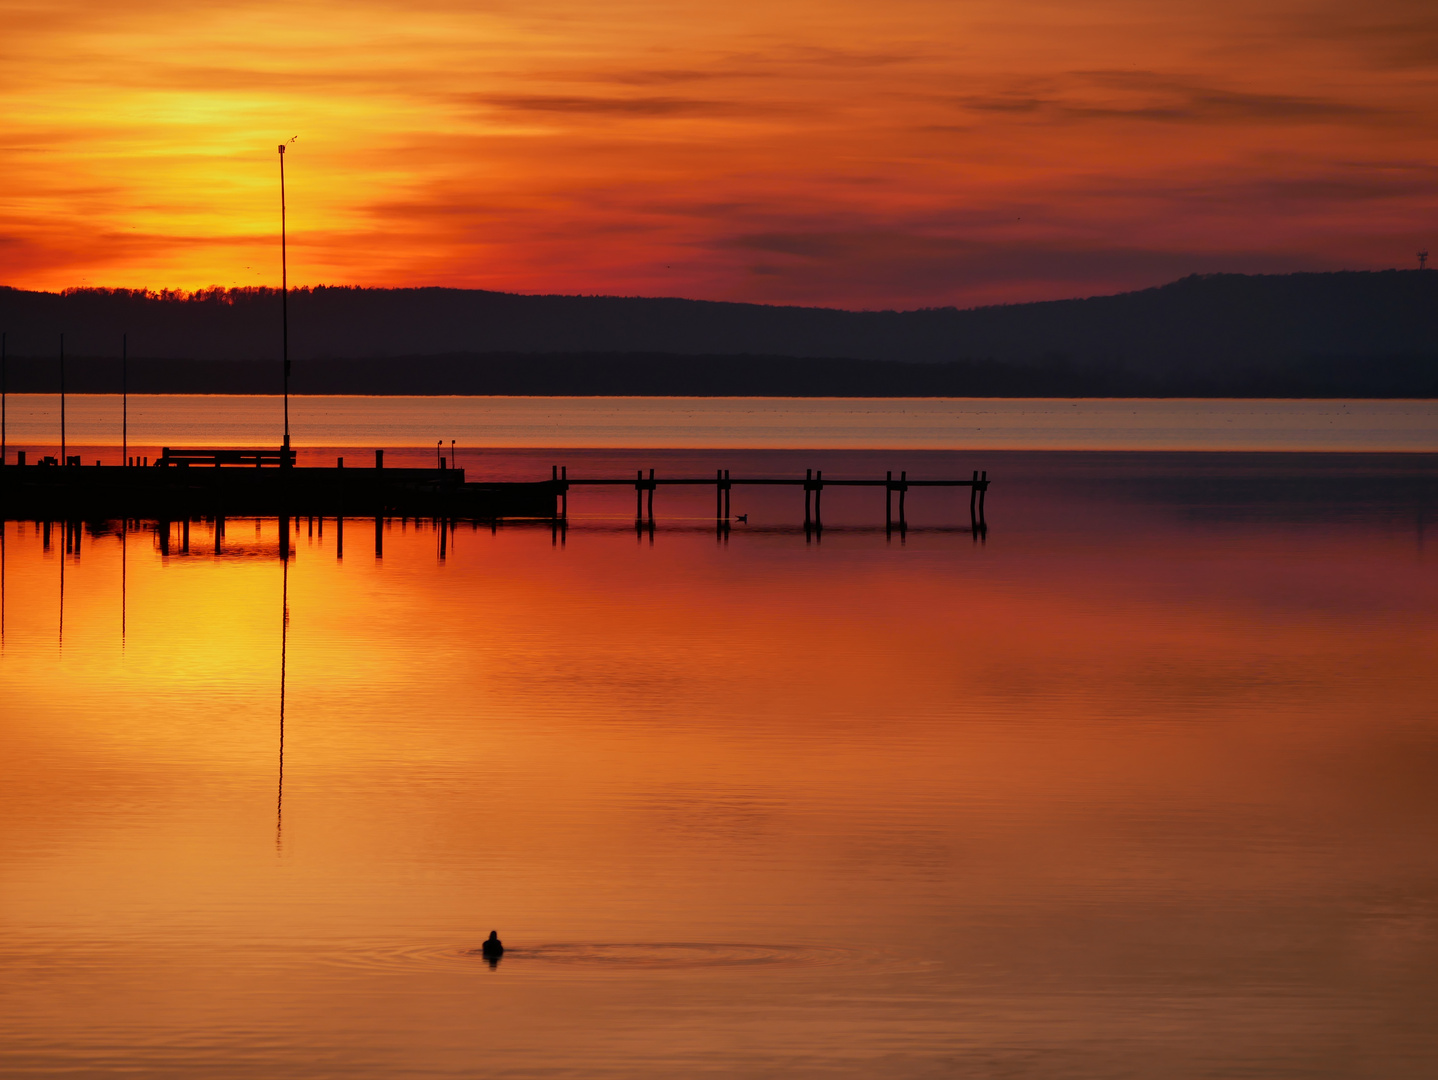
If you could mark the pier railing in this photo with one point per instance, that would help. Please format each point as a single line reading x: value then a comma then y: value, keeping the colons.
x: 813, y: 484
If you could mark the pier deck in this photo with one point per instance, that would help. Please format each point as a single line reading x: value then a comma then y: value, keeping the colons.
x: 181, y: 488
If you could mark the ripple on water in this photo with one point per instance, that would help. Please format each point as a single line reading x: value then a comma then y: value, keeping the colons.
x: 674, y: 954
x: 646, y: 955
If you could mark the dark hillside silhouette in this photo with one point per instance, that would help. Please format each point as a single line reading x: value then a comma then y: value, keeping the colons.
x: 1341, y: 333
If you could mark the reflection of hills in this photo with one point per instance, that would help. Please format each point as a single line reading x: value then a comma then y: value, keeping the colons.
x: 1340, y: 333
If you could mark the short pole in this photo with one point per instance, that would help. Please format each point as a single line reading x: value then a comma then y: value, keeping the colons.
x: 889, y: 500
x: 651, y: 498
x: 903, y: 493
x: 727, y: 489
x: 818, y: 499
x: 564, y: 493
x: 808, y: 489
x: 974, y: 498
x: 639, y: 495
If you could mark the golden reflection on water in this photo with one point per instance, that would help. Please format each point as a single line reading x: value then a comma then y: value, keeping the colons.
x: 1151, y: 799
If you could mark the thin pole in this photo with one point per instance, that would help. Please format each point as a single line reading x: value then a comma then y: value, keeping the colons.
x: 124, y: 399
x: 63, y: 459
x: 284, y: 307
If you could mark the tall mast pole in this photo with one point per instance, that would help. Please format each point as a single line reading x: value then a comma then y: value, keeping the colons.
x: 64, y: 459
x: 124, y: 399
x: 284, y: 308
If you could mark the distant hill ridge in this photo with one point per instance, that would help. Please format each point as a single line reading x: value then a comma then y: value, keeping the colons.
x: 1204, y: 331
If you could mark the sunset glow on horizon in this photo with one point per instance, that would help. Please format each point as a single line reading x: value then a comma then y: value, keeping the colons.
x: 913, y: 154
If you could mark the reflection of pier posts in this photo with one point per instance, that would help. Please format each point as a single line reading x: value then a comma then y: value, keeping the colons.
x: 443, y: 538
x: 185, y: 536
x: 162, y: 530
x: 284, y: 537
x: 378, y: 537
x: 219, y: 532
x: 339, y: 538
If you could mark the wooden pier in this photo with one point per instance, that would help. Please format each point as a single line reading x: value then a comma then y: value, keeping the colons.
x: 813, y: 484
x: 184, y: 484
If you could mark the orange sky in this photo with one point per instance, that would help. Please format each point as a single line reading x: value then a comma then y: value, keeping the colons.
x: 910, y: 153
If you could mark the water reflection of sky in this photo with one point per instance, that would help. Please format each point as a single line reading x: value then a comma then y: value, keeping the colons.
x: 1140, y: 784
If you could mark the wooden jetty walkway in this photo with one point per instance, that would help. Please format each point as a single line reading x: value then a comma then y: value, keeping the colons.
x: 186, y: 483
x: 813, y: 484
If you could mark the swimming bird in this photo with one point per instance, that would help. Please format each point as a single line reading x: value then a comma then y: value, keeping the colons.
x: 493, y: 948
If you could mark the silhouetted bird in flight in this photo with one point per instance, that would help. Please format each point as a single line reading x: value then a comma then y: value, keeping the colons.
x: 742, y: 517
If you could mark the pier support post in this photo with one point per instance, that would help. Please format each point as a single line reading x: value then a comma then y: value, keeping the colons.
x: 727, y: 488
x: 185, y: 535
x: 974, y: 500
x: 651, y: 498
x: 983, y: 491
x: 808, y: 497
x: 638, y: 497
x: 903, y: 494
x: 564, y: 494
x: 819, y: 499
x: 889, y: 501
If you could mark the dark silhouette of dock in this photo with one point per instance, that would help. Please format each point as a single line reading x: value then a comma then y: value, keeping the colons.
x: 185, y: 484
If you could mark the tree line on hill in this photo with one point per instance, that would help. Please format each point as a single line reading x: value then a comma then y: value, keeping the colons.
x: 1341, y: 334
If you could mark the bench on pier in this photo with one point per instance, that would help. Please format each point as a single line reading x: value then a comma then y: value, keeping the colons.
x: 254, y: 457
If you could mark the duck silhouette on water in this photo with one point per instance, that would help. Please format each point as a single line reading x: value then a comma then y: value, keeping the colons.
x: 492, y: 949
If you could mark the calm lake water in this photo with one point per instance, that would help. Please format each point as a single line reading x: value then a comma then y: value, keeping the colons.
x: 756, y: 423
x: 1138, y: 785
